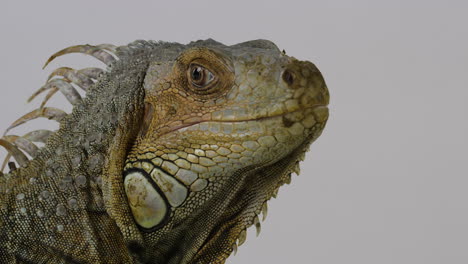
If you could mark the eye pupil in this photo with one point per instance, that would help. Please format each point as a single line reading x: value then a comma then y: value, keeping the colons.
x: 197, y: 73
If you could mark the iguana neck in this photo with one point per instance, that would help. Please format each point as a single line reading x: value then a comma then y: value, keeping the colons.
x: 56, y: 201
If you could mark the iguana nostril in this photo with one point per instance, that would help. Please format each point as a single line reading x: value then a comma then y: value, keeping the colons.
x: 288, y: 77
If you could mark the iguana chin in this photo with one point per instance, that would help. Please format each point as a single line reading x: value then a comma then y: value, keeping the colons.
x: 170, y: 157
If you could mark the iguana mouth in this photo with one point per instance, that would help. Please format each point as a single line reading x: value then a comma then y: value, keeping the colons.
x: 319, y: 111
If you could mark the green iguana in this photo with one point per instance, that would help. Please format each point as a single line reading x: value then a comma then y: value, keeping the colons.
x: 170, y: 157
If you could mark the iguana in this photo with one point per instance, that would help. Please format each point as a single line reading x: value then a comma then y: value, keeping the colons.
x: 170, y: 157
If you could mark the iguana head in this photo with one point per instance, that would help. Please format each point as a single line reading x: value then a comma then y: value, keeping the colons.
x: 224, y: 127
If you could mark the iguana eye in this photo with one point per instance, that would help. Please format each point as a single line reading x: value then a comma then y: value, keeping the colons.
x: 200, y: 76
x: 204, y: 73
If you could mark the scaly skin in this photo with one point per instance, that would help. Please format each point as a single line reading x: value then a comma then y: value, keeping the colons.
x: 172, y: 155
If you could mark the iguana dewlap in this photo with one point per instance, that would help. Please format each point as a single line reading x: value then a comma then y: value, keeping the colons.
x: 171, y: 155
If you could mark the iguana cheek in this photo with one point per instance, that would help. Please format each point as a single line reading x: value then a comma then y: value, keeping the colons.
x: 148, y: 206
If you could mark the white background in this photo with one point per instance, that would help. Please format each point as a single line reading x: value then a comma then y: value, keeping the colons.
x: 387, y: 180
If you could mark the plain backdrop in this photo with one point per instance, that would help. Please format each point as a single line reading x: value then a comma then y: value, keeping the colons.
x: 386, y: 183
